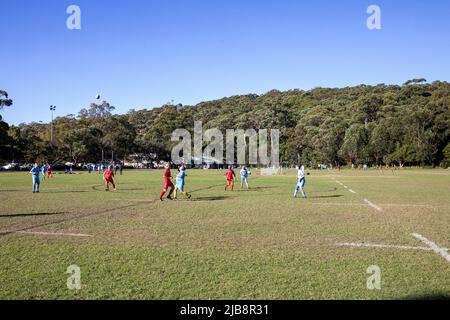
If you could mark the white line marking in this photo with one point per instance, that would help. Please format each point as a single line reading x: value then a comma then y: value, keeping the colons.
x: 351, y: 191
x: 387, y: 246
x: 372, y: 205
x: 373, y: 245
x: 345, y: 187
x: 339, y: 204
x: 54, y: 233
x: 433, y: 246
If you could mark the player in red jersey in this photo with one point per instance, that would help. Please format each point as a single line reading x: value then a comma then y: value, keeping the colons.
x: 167, y: 176
x: 49, y: 171
x: 230, y: 178
x: 109, y: 178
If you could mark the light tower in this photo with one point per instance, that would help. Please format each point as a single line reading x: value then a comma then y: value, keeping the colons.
x: 52, y: 108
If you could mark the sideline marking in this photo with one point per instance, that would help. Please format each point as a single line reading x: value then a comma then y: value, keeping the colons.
x: 365, y: 200
x: 433, y: 246
x: 372, y: 205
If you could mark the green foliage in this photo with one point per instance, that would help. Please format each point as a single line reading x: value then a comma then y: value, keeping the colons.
x: 4, y: 102
x: 383, y: 124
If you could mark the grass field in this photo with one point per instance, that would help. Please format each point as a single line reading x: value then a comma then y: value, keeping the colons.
x: 256, y: 244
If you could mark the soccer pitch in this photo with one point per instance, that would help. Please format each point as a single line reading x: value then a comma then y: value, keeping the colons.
x: 256, y: 244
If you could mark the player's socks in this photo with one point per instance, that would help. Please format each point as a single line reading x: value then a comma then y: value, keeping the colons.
x: 161, y: 195
x: 187, y: 195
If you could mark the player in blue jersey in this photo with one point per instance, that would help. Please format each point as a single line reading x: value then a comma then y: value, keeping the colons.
x: 301, y: 182
x: 179, y: 185
x: 44, y: 171
x: 35, y: 172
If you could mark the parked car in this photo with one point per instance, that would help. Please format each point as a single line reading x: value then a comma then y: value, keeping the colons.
x: 10, y: 166
x: 25, y: 167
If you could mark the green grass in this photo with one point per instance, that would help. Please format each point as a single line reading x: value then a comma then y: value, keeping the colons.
x: 256, y: 244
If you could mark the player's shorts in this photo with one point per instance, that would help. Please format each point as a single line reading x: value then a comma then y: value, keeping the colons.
x: 180, y: 184
x: 109, y: 180
x: 167, y: 183
x: 301, y: 184
x: 244, y: 178
x: 36, y: 179
x: 230, y: 181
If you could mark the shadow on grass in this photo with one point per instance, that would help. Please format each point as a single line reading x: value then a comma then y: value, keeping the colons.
x: 259, y: 188
x: 332, y: 196
x: 433, y: 296
x: 216, y: 198
x: 66, y: 191
x: 30, y: 214
x: 101, y: 188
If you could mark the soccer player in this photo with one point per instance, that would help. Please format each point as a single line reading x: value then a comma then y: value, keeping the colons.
x: 49, y: 171
x: 44, y: 171
x: 109, y: 178
x: 35, y: 172
x: 180, y: 182
x: 301, y: 182
x: 244, y: 176
x: 230, y: 178
x: 167, y: 176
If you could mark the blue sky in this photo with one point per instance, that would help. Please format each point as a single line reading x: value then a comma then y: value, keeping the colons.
x: 143, y: 53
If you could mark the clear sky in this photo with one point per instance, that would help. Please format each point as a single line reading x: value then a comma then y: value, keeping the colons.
x: 144, y: 53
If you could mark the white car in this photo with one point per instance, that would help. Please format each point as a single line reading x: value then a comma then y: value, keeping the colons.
x: 9, y: 166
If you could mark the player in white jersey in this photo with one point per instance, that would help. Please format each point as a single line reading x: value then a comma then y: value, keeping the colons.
x: 301, y: 182
x: 244, y: 176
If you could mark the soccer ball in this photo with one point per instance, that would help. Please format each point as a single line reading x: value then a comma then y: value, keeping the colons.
x: 97, y: 97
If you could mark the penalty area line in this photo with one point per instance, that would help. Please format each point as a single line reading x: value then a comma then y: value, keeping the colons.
x: 54, y: 234
x: 385, y: 246
x: 433, y: 246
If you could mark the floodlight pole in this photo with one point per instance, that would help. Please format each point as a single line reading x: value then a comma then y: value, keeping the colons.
x: 52, y: 108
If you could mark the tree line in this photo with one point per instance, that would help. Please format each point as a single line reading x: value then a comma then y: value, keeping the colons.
x: 375, y: 125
